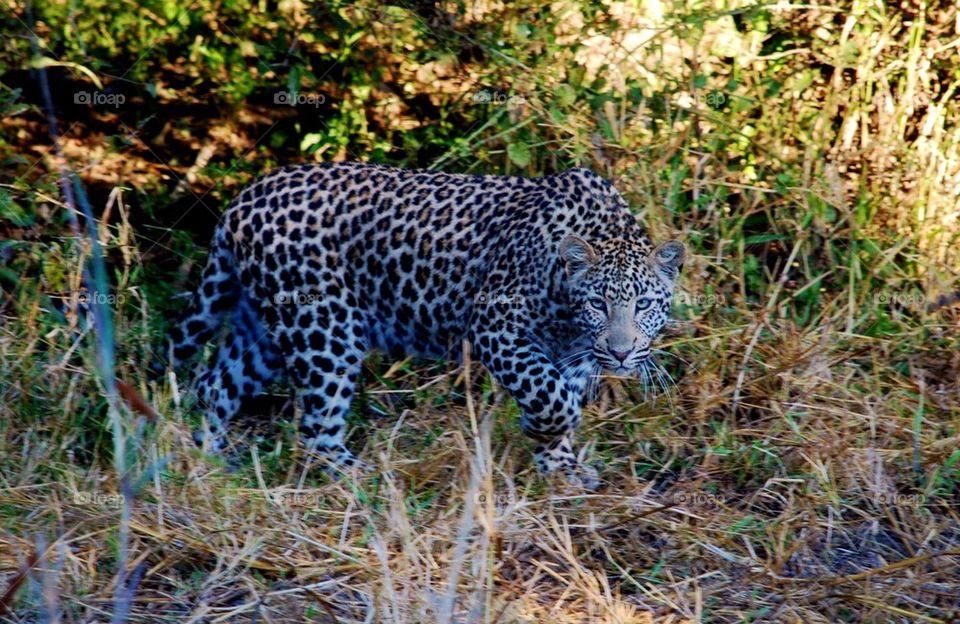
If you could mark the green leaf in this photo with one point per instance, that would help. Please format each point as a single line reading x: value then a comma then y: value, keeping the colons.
x: 566, y: 94
x: 519, y: 154
x: 763, y: 238
x: 557, y: 115
x: 310, y: 140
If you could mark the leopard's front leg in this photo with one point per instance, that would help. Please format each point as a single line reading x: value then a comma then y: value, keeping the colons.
x: 551, y: 404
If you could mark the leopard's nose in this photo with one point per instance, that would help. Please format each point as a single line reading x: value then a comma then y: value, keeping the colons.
x: 621, y: 355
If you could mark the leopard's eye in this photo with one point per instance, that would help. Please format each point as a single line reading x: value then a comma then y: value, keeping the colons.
x: 644, y: 303
x: 598, y: 303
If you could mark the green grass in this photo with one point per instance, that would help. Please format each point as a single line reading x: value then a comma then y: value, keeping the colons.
x: 803, y: 468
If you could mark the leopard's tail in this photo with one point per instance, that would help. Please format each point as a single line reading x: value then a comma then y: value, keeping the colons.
x: 217, y: 295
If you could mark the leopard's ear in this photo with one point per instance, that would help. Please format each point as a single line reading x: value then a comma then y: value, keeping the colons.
x: 667, y: 260
x: 578, y: 254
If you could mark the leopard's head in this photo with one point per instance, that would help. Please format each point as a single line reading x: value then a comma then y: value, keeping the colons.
x: 620, y: 292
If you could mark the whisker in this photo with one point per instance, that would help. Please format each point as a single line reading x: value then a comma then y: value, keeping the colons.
x: 624, y: 377
x: 566, y: 367
x: 656, y: 377
x: 650, y: 369
x: 570, y: 366
x: 593, y: 381
x: 572, y: 357
x: 675, y: 356
x: 663, y: 383
x: 643, y: 380
x: 667, y: 374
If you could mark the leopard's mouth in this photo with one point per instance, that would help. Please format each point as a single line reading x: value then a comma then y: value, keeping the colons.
x: 631, y: 366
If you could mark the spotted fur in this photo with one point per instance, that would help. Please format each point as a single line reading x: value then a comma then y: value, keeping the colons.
x: 551, y: 281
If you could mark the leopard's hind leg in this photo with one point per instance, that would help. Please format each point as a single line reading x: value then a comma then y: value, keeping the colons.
x: 245, y: 362
x: 215, y: 299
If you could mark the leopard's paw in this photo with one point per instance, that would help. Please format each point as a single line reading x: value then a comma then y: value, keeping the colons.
x: 343, y: 463
x: 584, y: 476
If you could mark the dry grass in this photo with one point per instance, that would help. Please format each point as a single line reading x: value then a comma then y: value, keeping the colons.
x: 797, y: 521
x: 804, y: 468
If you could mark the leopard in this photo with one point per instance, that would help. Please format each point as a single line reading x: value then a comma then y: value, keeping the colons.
x: 549, y: 283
